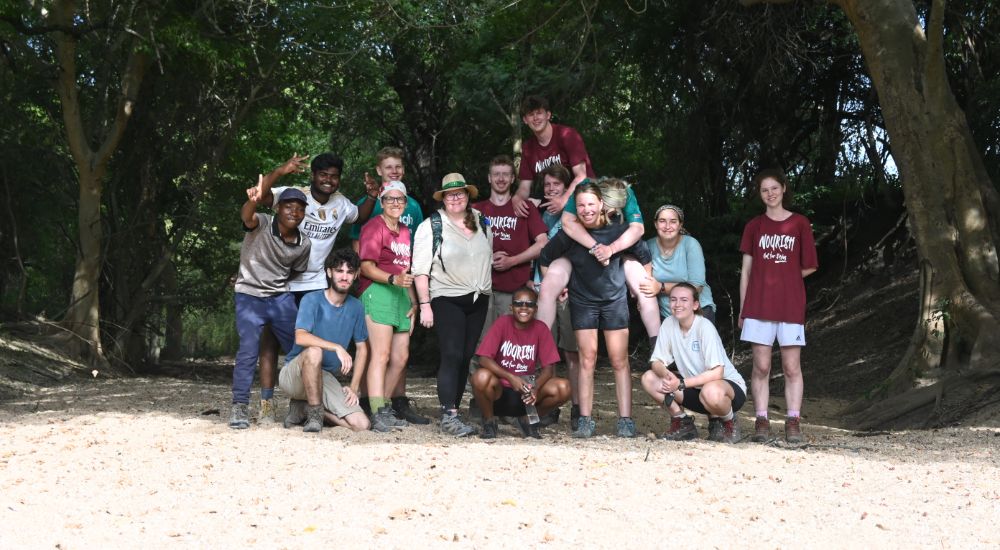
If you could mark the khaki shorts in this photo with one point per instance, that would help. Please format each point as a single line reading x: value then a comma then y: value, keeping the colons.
x: 562, y: 329
x: 290, y: 382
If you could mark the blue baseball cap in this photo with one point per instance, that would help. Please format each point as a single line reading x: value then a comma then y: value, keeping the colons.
x: 293, y: 194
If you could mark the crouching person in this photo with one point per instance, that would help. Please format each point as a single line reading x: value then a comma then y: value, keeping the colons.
x: 510, y: 355
x: 709, y: 384
x: 327, y: 322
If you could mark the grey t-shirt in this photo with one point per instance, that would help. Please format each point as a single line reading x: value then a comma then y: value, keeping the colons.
x: 267, y: 261
x: 591, y: 281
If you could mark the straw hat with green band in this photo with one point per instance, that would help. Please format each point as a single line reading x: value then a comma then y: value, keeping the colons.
x: 454, y: 182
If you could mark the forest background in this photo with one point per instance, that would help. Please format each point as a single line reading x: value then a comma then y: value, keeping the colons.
x: 132, y: 128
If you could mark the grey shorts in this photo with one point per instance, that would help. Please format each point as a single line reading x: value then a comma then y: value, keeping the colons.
x: 290, y: 382
x: 612, y: 315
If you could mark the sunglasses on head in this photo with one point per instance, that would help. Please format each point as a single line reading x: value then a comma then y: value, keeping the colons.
x: 523, y: 303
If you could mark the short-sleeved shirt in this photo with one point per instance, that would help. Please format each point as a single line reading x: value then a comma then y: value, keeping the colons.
x: 390, y: 250
x: 267, y: 261
x: 337, y: 324
x: 566, y: 147
x: 631, y: 211
x: 695, y: 352
x: 321, y: 224
x: 512, y: 234
x: 411, y: 217
x: 520, y: 352
x: 780, y: 250
x: 686, y: 265
x: 590, y: 281
x: 467, y: 260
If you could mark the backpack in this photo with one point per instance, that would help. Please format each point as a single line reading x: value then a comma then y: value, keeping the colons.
x: 437, y: 226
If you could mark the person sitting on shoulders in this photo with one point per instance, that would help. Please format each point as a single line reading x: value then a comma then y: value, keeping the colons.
x: 708, y: 382
x: 509, y: 357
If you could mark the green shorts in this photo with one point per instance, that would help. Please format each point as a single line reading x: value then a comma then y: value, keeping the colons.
x: 387, y: 305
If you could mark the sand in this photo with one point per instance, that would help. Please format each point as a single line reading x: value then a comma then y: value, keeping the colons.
x: 148, y: 462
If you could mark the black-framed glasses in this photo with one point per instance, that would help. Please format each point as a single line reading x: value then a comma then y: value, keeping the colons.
x: 394, y: 200
x: 524, y: 303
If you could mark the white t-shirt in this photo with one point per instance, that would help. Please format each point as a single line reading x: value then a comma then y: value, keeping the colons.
x: 695, y: 352
x: 321, y: 225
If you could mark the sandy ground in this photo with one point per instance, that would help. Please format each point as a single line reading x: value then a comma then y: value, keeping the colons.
x: 131, y: 463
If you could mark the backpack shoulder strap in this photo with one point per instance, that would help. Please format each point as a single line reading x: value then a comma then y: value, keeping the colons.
x: 436, y: 229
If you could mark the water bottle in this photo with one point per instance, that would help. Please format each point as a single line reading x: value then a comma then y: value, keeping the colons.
x: 530, y: 409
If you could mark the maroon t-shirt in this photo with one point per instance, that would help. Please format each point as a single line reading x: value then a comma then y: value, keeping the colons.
x: 519, y: 351
x: 780, y: 251
x: 388, y: 249
x: 513, y: 235
x: 566, y: 148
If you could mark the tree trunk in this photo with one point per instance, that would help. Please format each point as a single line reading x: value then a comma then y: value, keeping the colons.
x: 83, y: 315
x: 951, y: 204
x: 953, y: 212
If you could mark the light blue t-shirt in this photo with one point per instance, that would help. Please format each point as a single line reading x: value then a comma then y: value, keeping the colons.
x: 687, y: 265
x: 339, y: 325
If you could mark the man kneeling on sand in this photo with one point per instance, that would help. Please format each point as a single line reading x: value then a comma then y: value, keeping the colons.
x: 509, y: 356
x: 327, y: 322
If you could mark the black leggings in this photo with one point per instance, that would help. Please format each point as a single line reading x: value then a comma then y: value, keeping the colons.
x: 458, y: 321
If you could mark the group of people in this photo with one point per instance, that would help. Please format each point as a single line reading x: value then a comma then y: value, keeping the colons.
x: 512, y: 285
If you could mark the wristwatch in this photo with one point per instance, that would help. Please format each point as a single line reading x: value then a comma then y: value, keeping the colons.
x: 391, y: 278
x: 681, y: 386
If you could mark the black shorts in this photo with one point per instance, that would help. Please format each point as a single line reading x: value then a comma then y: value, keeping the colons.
x: 509, y: 403
x: 611, y: 315
x: 692, y: 401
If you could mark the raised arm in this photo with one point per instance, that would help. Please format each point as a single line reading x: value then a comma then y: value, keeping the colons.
x: 248, y: 212
x: 294, y: 165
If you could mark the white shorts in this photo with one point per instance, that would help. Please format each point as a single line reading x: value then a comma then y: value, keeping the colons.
x: 765, y: 332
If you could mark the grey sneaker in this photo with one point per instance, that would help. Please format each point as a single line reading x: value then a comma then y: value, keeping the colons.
x: 296, y: 413
x: 714, y: 428
x: 585, y: 428
x: 268, y: 412
x: 489, y: 429
x: 452, y: 424
x: 314, y: 418
x: 731, y: 431
x: 550, y: 419
x: 385, y: 420
x: 681, y: 429
x: 239, y: 416
x: 626, y: 427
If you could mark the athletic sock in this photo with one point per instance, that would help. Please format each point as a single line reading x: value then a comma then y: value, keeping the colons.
x: 376, y: 403
x: 266, y: 393
x: 762, y: 414
x: 792, y: 413
x: 682, y: 415
x: 727, y: 416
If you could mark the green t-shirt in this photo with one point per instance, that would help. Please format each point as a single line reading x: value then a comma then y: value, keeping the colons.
x: 412, y: 216
x: 631, y: 210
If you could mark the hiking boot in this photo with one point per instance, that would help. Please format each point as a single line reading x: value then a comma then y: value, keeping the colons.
x: 682, y: 428
x: 239, y: 416
x: 761, y: 430
x: 585, y: 428
x: 574, y: 417
x: 489, y: 429
x: 267, y: 412
x: 296, y: 413
x: 626, y: 427
x: 403, y: 407
x: 527, y: 428
x: 384, y: 421
x: 550, y: 419
x: 393, y: 419
x: 715, y: 429
x: 452, y: 424
x: 731, y: 431
x: 314, y: 418
x: 793, y: 432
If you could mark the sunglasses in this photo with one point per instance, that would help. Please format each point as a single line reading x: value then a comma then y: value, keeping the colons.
x: 523, y: 303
